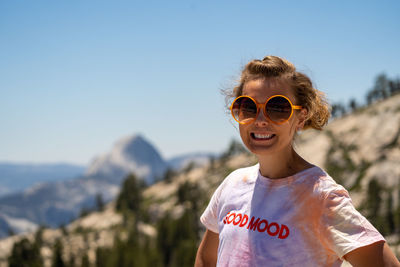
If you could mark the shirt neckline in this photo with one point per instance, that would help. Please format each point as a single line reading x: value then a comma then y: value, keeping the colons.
x: 266, y: 181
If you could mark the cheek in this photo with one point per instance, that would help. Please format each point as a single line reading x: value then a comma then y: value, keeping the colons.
x: 292, y: 130
x: 287, y: 133
x: 243, y: 133
x: 292, y: 127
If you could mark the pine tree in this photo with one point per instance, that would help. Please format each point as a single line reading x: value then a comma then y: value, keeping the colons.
x: 353, y: 105
x: 394, y: 86
x: 389, y: 214
x: 101, y: 257
x: 57, y: 260
x: 165, y: 234
x: 85, y: 261
x: 25, y: 254
x: 130, y: 198
x: 185, y: 254
x: 373, y: 204
x: 99, y: 202
x: 382, y: 86
x: 168, y: 175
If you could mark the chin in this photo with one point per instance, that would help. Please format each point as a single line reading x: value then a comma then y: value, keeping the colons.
x: 267, y: 148
x: 258, y: 148
x: 262, y: 151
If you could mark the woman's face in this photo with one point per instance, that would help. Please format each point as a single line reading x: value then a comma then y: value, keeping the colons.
x: 262, y: 137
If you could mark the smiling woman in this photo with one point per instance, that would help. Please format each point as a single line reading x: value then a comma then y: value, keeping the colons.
x: 284, y: 211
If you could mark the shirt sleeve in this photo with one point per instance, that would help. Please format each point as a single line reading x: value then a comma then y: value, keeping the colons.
x: 209, y: 218
x: 344, y: 227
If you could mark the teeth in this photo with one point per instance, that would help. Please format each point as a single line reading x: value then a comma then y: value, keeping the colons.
x: 263, y: 136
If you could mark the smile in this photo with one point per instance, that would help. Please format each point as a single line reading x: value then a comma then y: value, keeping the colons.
x: 262, y: 136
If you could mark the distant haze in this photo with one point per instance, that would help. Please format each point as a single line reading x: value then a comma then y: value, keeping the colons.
x: 17, y: 177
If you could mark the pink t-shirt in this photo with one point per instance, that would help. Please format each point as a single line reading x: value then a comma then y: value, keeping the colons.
x: 303, y: 220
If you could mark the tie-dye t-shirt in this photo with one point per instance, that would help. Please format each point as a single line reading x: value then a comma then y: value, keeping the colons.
x: 303, y: 220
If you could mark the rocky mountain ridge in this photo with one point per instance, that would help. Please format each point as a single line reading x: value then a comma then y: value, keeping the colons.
x: 129, y: 154
x: 360, y: 147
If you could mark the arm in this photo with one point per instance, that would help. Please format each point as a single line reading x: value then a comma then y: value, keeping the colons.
x: 376, y: 254
x: 208, y: 250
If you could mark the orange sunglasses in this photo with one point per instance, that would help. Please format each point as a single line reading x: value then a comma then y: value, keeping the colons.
x: 277, y: 109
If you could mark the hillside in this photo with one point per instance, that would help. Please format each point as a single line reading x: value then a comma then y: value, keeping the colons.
x: 360, y: 150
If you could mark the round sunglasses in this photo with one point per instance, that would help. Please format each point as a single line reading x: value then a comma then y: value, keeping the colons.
x: 278, y: 109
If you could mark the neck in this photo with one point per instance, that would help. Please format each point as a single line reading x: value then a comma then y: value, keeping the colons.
x: 282, y: 165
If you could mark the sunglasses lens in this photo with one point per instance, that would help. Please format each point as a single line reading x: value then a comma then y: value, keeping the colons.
x: 278, y: 109
x: 244, y: 110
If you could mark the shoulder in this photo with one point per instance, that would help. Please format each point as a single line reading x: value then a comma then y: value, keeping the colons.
x: 235, y: 180
x: 243, y: 175
x: 240, y: 177
x: 322, y: 184
x: 335, y: 199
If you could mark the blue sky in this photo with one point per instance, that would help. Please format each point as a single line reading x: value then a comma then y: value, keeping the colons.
x: 75, y: 76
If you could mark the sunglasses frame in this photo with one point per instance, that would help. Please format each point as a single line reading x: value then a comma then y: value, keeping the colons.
x: 263, y: 107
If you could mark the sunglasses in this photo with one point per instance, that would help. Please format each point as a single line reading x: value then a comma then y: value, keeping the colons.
x: 278, y: 109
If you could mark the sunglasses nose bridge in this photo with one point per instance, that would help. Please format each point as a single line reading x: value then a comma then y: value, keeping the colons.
x: 261, y: 116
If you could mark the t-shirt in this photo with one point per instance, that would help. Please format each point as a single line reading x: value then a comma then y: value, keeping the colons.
x: 303, y: 220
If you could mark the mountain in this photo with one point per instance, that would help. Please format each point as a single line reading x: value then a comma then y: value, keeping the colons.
x: 16, y: 177
x: 53, y: 204
x: 130, y: 154
x: 18, y: 225
x: 360, y: 150
x: 57, y: 203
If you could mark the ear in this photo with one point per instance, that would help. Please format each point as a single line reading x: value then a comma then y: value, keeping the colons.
x: 302, y: 118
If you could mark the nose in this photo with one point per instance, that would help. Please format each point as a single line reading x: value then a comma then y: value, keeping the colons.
x: 261, y: 120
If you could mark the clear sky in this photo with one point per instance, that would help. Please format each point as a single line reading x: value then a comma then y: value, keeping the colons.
x: 75, y: 76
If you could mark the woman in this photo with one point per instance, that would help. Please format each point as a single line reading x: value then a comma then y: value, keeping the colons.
x: 284, y: 211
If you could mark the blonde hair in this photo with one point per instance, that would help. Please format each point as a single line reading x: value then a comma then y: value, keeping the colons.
x: 306, y: 95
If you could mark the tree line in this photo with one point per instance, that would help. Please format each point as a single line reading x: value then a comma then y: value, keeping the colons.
x: 175, y: 243
x: 383, y: 88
